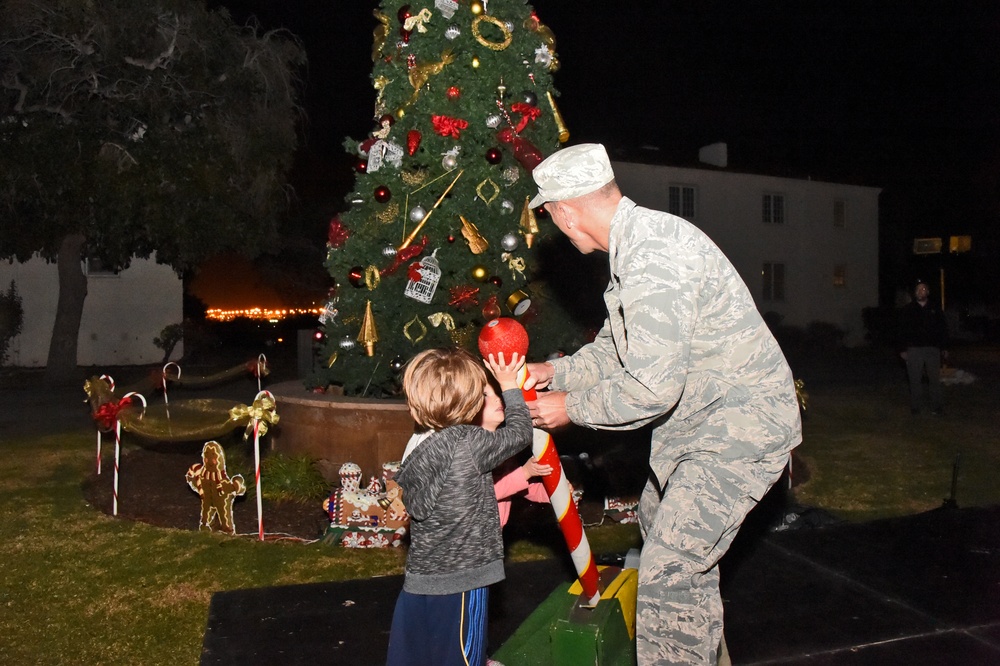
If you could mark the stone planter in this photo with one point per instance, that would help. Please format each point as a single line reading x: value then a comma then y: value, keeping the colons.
x: 335, y: 429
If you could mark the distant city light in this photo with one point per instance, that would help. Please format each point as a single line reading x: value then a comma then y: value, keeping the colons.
x: 271, y: 315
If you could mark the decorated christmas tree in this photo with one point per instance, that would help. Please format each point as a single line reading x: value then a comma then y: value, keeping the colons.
x: 438, y: 237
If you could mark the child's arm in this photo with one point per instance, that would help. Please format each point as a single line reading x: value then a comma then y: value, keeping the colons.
x: 498, y: 446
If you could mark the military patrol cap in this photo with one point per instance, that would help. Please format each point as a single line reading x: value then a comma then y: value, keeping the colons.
x: 572, y: 172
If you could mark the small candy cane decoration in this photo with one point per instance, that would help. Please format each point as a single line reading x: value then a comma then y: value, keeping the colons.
x: 125, y: 402
x: 164, y: 378
x: 111, y: 385
x: 261, y: 368
x: 256, y: 459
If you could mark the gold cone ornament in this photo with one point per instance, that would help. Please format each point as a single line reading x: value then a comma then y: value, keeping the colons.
x: 477, y: 243
x: 529, y: 223
x: 368, y: 335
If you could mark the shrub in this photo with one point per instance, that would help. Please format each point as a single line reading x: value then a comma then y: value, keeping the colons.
x: 11, y: 319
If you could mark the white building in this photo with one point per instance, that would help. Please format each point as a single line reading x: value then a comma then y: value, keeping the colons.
x: 122, y: 314
x: 807, y: 250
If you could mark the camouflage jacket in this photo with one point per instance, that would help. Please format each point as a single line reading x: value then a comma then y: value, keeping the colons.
x: 683, y: 347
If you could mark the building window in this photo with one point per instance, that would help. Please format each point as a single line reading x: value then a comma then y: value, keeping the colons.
x: 680, y: 201
x: 774, y: 209
x: 840, y: 275
x: 773, y: 276
x: 840, y: 213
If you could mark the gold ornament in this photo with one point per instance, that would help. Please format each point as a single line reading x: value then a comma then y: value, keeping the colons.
x: 480, y: 188
x: 388, y: 214
x: 421, y: 73
x: 529, y: 223
x: 518, y: 302
x: 379, y: 34
x: 476, y: 7
x: 414, y: 178
x: 380, y: 84
x: 494, y: 46
x: 438, y: 318
x: 330, y: 361
x: 475, y: 62
x: 416, y: 325
x: 463, y: 337
x: 515, y: 264
x: 369, y: 334
x: 477, y: 243
x: 372, y: 278
x: 417, y: 21
x: 557, y: 117
x: 479, y: 273
x: 416, y: 229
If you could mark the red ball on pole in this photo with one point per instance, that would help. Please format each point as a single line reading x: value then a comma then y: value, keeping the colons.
x: 503, y: 334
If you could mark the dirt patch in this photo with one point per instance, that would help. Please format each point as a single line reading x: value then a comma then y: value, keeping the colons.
x: 152, y: 490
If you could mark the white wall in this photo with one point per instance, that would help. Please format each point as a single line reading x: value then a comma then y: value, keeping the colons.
x: 728, y: 209
x: 121, y: 316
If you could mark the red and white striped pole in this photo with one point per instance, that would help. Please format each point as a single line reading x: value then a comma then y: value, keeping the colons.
x: 125, y: 402
x: 111, y: 384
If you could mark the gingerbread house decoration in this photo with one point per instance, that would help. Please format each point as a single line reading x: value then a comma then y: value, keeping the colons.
x: 369, y: 517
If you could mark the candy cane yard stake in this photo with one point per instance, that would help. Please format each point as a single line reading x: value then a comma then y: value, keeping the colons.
x: 125, y: 402
x: 261, y: 414
x: 111, y: 384
x: 508, y: 336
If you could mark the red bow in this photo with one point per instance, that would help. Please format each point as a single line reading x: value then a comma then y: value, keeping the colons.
x: 404, y: 255
x: 446, y: 126
x: 107, y: 414
x: 528, y: 113
x: 337, y: 233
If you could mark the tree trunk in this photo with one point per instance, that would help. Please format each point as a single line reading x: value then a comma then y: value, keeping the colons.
x: 62, y: 367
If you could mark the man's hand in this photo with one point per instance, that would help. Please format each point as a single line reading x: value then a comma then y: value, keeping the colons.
x: 549, y: 410
x: 539, y: 375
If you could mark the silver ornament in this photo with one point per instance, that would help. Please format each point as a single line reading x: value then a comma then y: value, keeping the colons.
x: 417, y: 213
x: 510, y: 175
x: 452, y: 31
x: 493, y: 121
x: 449, y: 162
x: 507, y: 206
x: 347, y: 342
x: 509, y: 242
x: 389, y: 251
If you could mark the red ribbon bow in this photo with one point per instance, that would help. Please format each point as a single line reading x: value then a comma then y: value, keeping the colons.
x: 528, y: 113
x: 337, y: 234
x: 446, y: 126
x: 107, y: 414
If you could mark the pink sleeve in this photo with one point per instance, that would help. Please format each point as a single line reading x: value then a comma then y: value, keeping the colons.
x: 536, y: 492
x: 511, y: 484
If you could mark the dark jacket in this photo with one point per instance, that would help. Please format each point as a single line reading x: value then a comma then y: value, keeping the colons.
x: 447, y: 481
x: 922, y: 326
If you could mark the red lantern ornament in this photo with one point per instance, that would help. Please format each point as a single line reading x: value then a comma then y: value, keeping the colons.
x: 453, y: 93
x: 361, y: 166
x: 492, y: 308
x: 382, y: 194
x: 494, y: 156
x: 413, y: 141
x: 503, y: 334
x: 524, y: 152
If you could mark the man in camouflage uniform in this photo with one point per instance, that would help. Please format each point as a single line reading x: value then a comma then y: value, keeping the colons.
x: 685, y: 349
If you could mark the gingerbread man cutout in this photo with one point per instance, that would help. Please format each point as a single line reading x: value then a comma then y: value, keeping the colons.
x: 217, y: 490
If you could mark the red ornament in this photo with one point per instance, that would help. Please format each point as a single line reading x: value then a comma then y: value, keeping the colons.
x: 494, y: 156
x: 366, y: 145
x: 412, y: 141
x: 503, y: 334
x: 451, y: 238
x: 404, y: 13
x: 524, y: 151
x: 453, y: 93
x: 387, y: 118
x: 496, y: 282
x: 337, y: 234
x: 492, y: 308
x: 356, y: 277
x: 382, y: 194
x: 361, y: 166
x: 463, y: 297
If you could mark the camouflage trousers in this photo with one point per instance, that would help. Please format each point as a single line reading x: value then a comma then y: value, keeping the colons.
x: 688, y: 527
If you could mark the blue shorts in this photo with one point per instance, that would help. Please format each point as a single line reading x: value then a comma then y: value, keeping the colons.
x: 439, y: 630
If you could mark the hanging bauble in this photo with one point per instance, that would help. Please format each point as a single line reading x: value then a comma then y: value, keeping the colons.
x: 476, y: 7
x: 387, y: 118
x: 506, y: 206
x: 417, y: 213
x: 452, y: 31
x: 389, y: 251
x: 449, y: 162
x: 479, y: 273
x: 493, y: 121
x: 510, y: 175
x: 382, y: 194
x: 475, y: 62
x: 492, y: 308
x: 412, y: 142
x: 509, y: 242
x: 361, y: 166
x: 396, y: 364
x: 494, y: 156
x: 529, y: 98
x: 357, y: 277
x: 404, y: 13
x: 347, y: 342
x: 496, y: 281
x: 451, y: 238
x: 453, y: 93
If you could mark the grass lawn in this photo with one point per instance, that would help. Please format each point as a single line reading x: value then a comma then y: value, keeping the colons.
x: 79, y: 587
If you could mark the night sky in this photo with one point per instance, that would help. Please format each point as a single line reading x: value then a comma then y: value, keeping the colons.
x: 899, y: 95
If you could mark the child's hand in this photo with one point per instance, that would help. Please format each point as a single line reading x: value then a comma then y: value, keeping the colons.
x: 533, y: 468
x: 505, y: 371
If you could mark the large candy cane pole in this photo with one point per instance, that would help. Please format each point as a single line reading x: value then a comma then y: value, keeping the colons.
x: 256, y: 462
x: 556, y: 485
x: 125, y: 401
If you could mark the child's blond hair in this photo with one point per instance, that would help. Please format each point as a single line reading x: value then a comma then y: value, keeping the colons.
x: 444, y: 387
